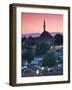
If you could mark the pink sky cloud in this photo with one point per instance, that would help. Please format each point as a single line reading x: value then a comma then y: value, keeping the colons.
x: 33, y: 23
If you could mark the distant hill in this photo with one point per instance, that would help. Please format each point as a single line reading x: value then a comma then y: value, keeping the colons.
x: 31, y: 34
x: 38, y: 34
x: 54, y: 33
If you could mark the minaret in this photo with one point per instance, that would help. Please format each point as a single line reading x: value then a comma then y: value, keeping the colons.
x: 44, y: 26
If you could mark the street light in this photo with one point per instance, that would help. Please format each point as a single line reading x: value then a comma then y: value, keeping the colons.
x: 37, y: 72
x: 42, y: 68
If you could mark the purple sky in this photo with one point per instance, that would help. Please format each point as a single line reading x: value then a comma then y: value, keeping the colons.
x: 33, y: 23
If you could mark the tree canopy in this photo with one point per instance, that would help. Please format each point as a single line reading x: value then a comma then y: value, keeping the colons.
x: 49, y: 60
x: 42, y: 48
x: 28, y: 56
x: 58, y: 39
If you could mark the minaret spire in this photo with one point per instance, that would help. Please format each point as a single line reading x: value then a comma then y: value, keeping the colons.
x: 44, y: 26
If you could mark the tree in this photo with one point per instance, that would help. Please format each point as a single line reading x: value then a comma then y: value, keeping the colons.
x: 30, y: 41
x: 23, y: 40
x: 28, y: 56
x: 58, y: 39
x: 60, y: 60
x: 49, y: 60
x: 42, y: 48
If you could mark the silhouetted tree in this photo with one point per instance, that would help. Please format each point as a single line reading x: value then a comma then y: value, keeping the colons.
x: 28, y: 56
x: 58, y: 39
x: 49, y: 60
x: 30, y: 41
x: 23, y: 39
x: 42, y: 48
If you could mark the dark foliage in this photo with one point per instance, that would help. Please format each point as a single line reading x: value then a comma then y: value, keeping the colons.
x: 58, y: 39
x: 49, y: 60
x: 28, y: 56
x: 42, y: 48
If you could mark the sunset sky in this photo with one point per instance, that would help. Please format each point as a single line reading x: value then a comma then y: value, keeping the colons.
x: 33, y: 23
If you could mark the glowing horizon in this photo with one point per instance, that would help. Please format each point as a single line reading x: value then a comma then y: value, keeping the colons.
x: 33, y: 22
